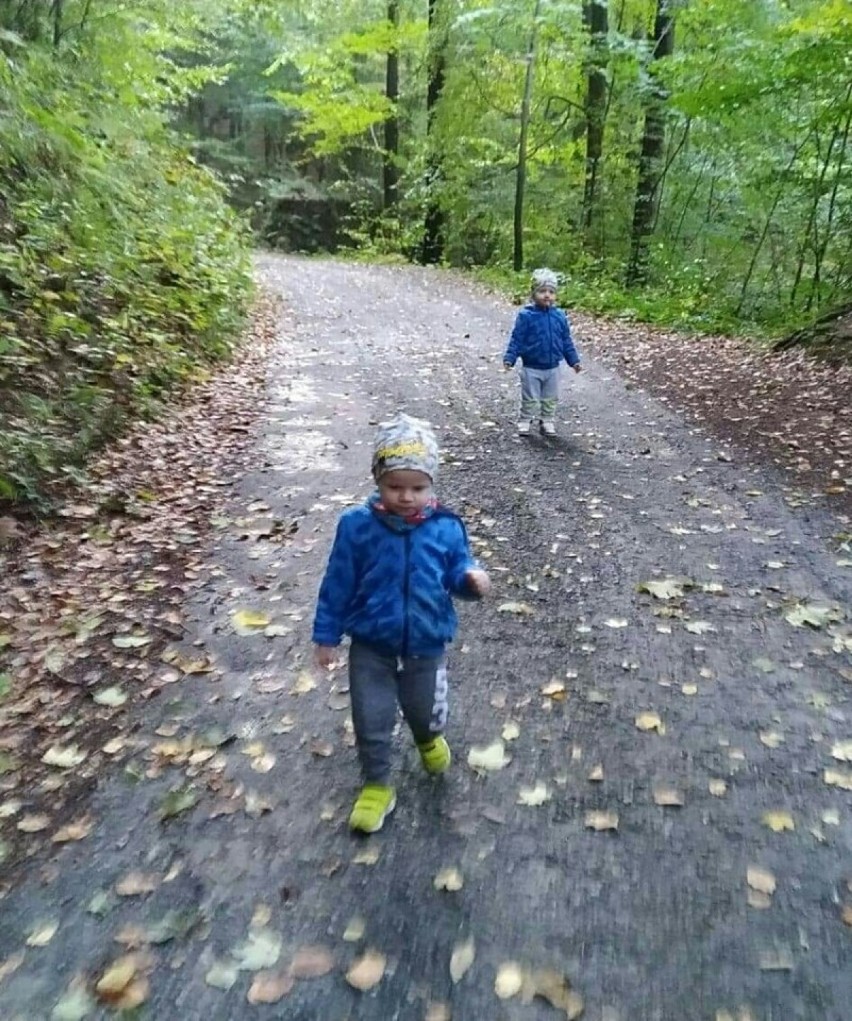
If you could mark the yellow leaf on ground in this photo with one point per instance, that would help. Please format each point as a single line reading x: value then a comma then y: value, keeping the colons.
x: 718, y: 788
x: 650, y: 721
x: 438, y: 1012
x: 597, y: 774
x: 778, y: 821
x: 554, y: 689
x: 511, y: 731
x: 42, y: 934
x: 489, y: 758
x: 509, y: 980
x: 760, y: 879
x: 842, y: 751
x: 771, y: 738
x: 64, y: 758
x: 367, y: 971
x: 463, y: 956
x: 304, y: 683
x: 250, y: 619
x: 136, y: 883
x: 33, y: 823
x: 270, y: 986
x: 521, y: 609
x: 312, y: 962
x: 552, y: 986
x: 354, y: 930
x: 668, y: 797
x: 833, y: 777
x: 448, y: 878
x: 534, y: 796
x: 601, y: 821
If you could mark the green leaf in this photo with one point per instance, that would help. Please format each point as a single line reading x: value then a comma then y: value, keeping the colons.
x: 177, y: 800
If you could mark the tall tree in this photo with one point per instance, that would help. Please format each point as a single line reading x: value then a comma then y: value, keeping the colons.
x: 521, y: 171
x: 653, y: 143
x: 433, y: 228
x: 390, y: 160
x: 596, y: 21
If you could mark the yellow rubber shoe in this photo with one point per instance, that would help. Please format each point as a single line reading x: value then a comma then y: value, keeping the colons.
x: 435, y: 755
x: 372, y: 806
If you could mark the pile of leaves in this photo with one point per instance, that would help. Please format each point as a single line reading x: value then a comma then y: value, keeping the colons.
x: 91, y: 607
x: 123, y: 272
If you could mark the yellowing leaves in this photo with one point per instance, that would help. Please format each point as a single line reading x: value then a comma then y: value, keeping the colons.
x: 249, y: 622
x: 842, y: 751
x: 838, y: 778
x: 463, y: 956
x: 534, y: 796
x: 489, y: 758
x: 509, y: 980
x: 778, y: 821
x: 64, y: 758
x: 367, y: 971
x: 448, y: 878
x: 650, y: 721
x: 518, y: 608
x: 601, y: 821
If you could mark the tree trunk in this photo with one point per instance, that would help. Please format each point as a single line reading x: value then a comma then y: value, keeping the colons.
x: 521, y: 174
x: 390, y: 161
x: 596, y: 20
x: 433, y: 228
x: 650, y: 158
x: 56, y: 12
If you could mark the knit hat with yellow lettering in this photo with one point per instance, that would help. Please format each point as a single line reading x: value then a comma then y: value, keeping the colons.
x: 405, y: 442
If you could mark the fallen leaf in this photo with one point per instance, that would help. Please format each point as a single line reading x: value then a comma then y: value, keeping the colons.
x: 846, y: 914
x: 760, y: 879
x: 75, y: 1005
x: 601, y: 821
x: 665, y: 588
x: 11, y: 964
x: 842, y: 751
x: 550, y: 985
x: 814, y: 615
x: 33, y: 823
x: 554, y: 689
x: 367, y: 971
x: 270, y: 986
x: 778, y: 821
x: 354, y: 930
x: 831, y: 817
x: 261, y: 949
x: 689, y: 689
x: 448, y: 878
x: 776, y: 959
x: 511, y: 731
x: 367, y: 855
x: 135, y: 884
x: 312, y: 962
x: 771, y: 738
x: 131, y: 641
x: 304, y: 683
x: 616, y: 622
x: 650, y: 721
x: 222, y: 975
x: 668, y: 797
x: 112, y: 697
x: 64, y: 758
x: 263, y: 763
x: 833, y: 777
x: 699, y: 627
x: 597, y: 774
x: 718, y: 788
x: 534, y: 796
x: 249, y: 621
x: 489, y: 758
x: 42, y: 934
x: 509, y: 980
x: 759, y: 901
x: 177, y: 800
x: 463, y: 956
x: 522, y: 609
x: 438, y: 1012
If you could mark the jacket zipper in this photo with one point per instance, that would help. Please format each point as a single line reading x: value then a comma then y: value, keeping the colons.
x: 406, y: 594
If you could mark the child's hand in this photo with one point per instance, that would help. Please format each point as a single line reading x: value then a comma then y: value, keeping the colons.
x: 478, y: 582
x: 578, y: 367
x: 325, y: 655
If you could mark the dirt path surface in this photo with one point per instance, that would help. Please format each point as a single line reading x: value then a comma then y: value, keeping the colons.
x: 708, y: 720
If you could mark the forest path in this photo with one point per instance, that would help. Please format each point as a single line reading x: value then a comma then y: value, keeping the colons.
x: 710, y: 722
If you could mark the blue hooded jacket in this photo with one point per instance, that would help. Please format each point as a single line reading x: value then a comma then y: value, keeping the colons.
x: 541, y: 338
x: 390, y: 585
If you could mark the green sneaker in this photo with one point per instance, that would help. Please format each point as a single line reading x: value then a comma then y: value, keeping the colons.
x: 435, y: 755
x: 372, y: 806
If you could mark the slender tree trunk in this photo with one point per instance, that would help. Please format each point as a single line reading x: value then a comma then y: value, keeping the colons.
x: 390, y: 162
x: 521, y: 173
x: 56, y: 12
x: 650, y: 157
x: 596, y: 20
x: 433, y: 228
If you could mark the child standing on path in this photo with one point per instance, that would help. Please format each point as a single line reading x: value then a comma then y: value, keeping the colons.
x: 541, y: 338
x: 395, y: 564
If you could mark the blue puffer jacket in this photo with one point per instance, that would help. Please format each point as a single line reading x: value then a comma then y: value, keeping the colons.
x: 541, y: 339
x: 392, y: 588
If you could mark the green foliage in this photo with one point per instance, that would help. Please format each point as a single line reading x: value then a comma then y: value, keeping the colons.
x: 123, y: 273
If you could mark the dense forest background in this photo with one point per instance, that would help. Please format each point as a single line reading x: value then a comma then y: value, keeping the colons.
x: 682, y: 161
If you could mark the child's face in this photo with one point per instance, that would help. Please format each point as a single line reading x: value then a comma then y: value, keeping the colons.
x: 544, y: 297
x: 405, y: 492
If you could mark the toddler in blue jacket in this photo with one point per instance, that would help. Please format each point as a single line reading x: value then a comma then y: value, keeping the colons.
x: 541, y: 338
x: 395, y: 565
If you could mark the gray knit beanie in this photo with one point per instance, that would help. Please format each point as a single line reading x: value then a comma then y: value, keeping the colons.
x: 405, y: 442
x: 544, y: 277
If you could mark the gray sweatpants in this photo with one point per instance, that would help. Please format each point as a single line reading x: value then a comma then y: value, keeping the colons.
x: 539, y: 394
x: 377, y: 685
